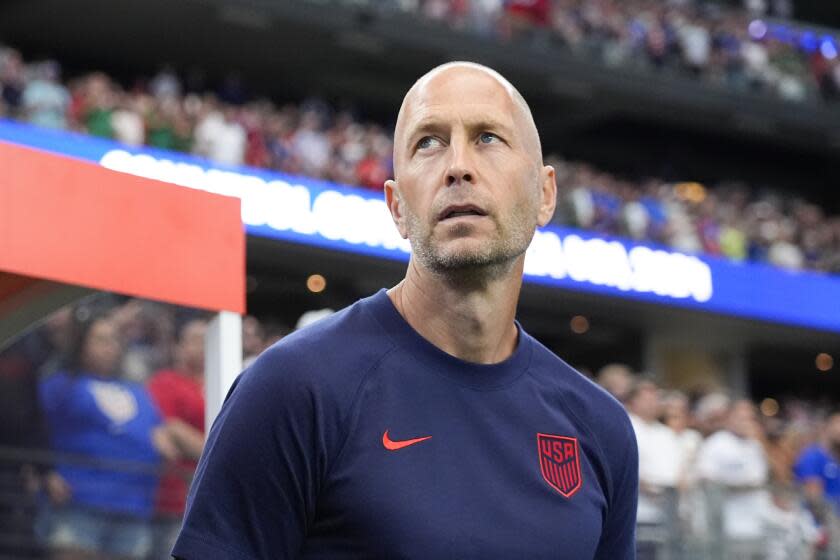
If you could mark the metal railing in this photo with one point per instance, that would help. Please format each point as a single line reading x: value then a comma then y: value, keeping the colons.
x: 695, y: 525
x: 692, y: 526
x: 23, y: 500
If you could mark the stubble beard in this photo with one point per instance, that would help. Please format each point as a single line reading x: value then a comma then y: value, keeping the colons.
x: 493, y: 258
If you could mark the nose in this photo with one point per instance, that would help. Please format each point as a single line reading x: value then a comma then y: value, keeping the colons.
x: 460, y: 167
x: 457, y: 175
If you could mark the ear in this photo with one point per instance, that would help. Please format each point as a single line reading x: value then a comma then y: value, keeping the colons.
x: 548, y: 195
x: 394, y: 202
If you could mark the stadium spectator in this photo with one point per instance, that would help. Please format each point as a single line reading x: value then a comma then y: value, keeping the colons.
x: 12, y: 78
x: 97, y: 422
x: 676, y: 415
x: 310, y: 143
x: 524, y: 15
x: 127, y: 120
x: 789, y: 531
x: 147, y: 331
x: 44, y: 99
x: 178, y: 393
x: 734, y: 459
x: 730, y: 220
x: 818, y: 470
x: 785, y: 441
x: 165, y: 84
x: 219, y: 135
x: 93, y: 105
x: 659, y: 457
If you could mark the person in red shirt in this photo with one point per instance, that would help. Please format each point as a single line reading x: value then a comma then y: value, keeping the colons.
x: 179, y: 394
x: 522, y: 16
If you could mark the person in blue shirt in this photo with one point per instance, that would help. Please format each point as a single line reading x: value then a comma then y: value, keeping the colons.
x: 423, y: 421
x: 108, y: 437
x: 818, y: 470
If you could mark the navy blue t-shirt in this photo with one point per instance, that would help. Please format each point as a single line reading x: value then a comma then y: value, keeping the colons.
x: 357, y: 438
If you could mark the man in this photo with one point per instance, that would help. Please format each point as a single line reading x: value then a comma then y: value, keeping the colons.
x: 818, y: 470
x: 179, y: 395
x: 659, y: 465
x: 676, y: 414
x: 734, y: 459
x: 423, y: 422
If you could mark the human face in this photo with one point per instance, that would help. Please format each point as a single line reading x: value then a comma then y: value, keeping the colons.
x: 470, y: 187
x: 646, y: 402
x: 102, y: 348
x: 743, y: 420
x: 191, y: 346
x: 676, y: 414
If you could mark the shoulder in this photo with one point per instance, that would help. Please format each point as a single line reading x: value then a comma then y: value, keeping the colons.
x: 330, y: 357
x: 57, y: 383
x: 587, y: 399
x: 163, y: 378
x: 812, y: 454
x: 589, y: 403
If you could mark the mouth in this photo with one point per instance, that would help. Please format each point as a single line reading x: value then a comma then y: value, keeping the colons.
x: 461, y: 211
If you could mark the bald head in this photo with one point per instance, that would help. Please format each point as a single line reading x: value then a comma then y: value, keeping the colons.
x: 447, y: 84
x: 469, y: 186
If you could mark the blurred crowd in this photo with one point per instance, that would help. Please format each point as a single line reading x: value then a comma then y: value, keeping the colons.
x: 224, y: 125
x: 730, y: 478
x: 729, y: 220
x: 101, y: 426
x: 317, y: 140
x: 731, y: 46
x: 102, y: 422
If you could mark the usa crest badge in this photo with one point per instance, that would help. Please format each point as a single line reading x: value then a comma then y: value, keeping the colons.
x: 560, y: 463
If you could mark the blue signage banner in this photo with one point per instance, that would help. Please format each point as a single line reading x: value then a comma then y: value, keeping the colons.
x: 342, y: 218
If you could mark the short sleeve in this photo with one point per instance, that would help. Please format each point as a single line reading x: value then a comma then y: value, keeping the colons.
x: 618, y: 536
x: 809, y: 466
x: 257, y: 482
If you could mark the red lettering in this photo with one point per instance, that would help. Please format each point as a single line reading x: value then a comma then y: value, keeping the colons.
x: 569, y: 449
x: 545, y: 446
x: 558, y: 451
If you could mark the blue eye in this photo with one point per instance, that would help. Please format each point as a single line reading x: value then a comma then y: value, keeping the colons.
x: 488, y: 137
x: 427, y: 142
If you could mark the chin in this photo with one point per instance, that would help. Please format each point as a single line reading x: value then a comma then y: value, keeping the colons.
x: 464, y: 249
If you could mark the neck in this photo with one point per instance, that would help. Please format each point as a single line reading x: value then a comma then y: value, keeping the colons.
x: 469, y: 316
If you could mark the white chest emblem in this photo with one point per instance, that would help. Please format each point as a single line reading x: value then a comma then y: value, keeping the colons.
x: 116, y: 403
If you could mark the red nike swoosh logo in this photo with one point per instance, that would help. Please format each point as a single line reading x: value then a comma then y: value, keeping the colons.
x: 392, y: 445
